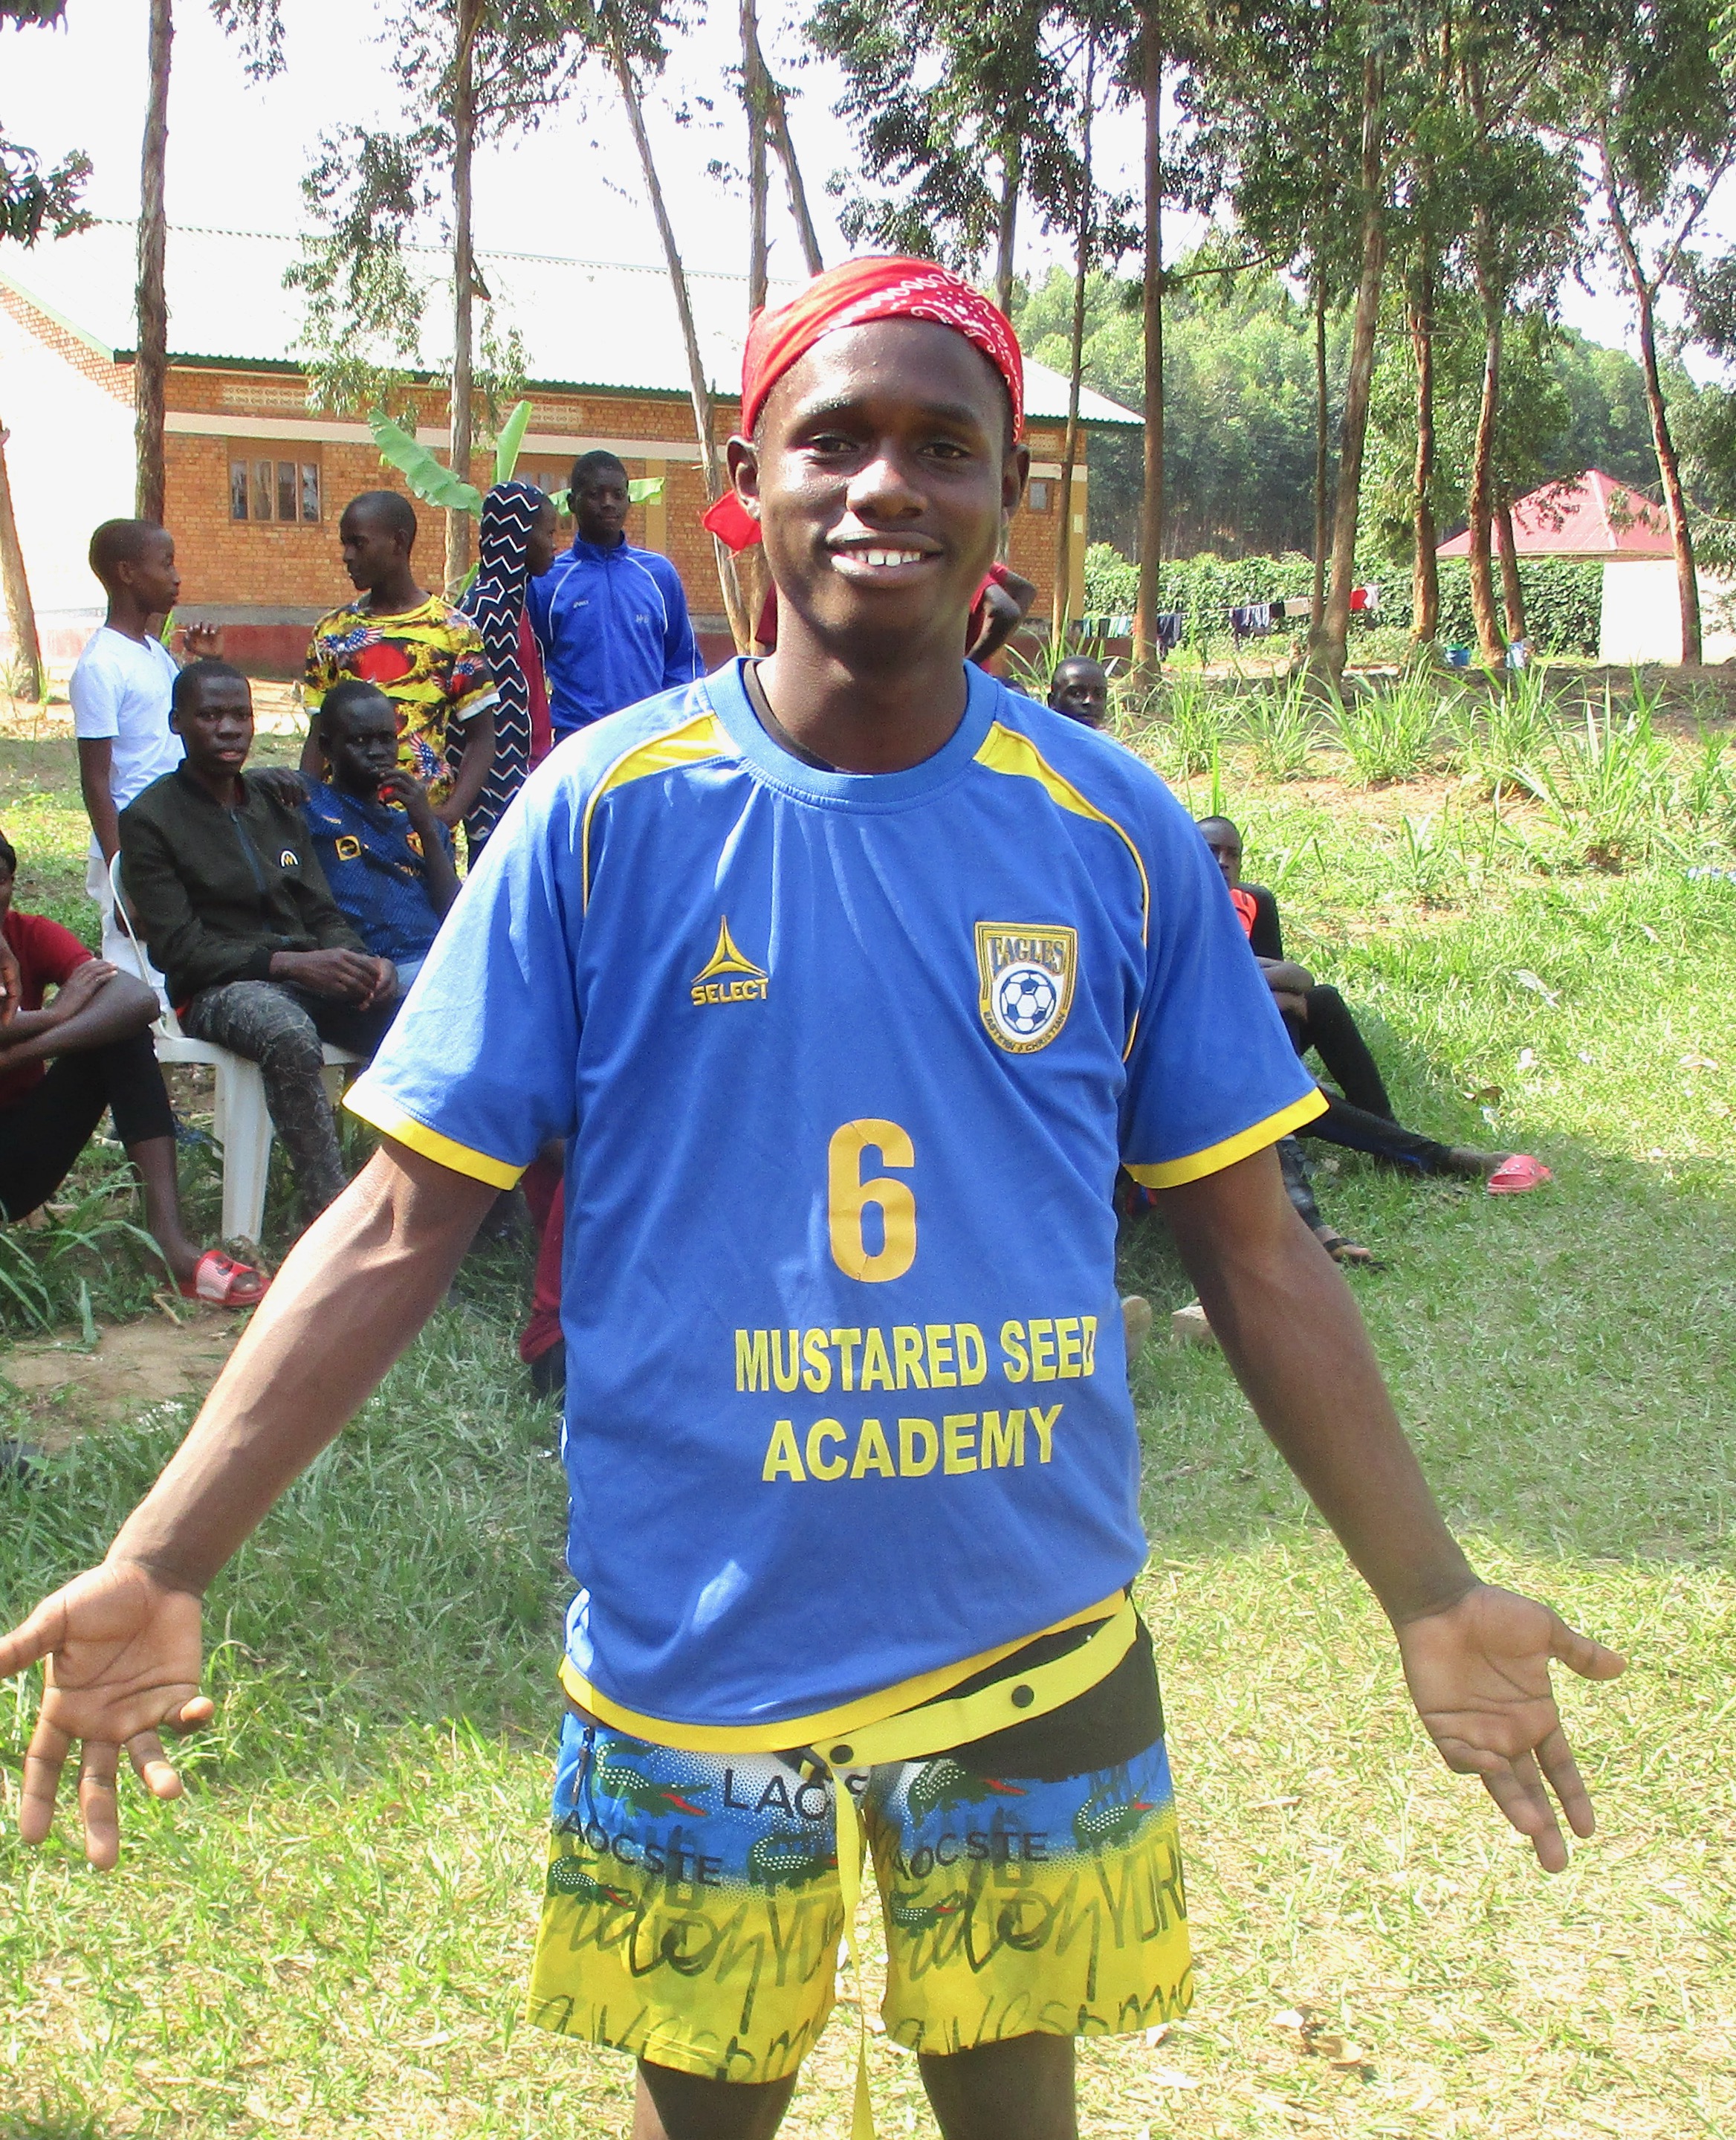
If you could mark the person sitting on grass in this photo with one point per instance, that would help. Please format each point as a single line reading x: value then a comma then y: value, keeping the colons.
x: 386, y: 857
x: 834, y: 1130
x: 63, y: 1063
x: 1080, y: 688
x: 234, y: 908
x: 1318, y: 1018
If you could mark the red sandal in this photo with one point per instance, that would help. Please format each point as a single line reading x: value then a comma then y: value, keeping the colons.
x: 1516, y: 1173
x: 222, y: 1282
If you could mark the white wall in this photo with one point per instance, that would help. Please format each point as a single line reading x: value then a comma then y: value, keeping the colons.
x: 1642, y: 617
x: 69, y: 456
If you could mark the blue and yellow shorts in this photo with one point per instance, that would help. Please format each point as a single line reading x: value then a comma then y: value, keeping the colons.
x: 1030, y: 1881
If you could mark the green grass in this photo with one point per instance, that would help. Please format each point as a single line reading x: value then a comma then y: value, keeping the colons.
x: 330, y: 1935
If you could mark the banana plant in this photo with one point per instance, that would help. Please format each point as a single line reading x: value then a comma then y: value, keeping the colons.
x: 436, y: 484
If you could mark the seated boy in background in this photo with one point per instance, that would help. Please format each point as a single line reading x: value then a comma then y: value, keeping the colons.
x: 386, y: 856
x: 1318, y: 1018
x: 235, y: 909
x: 64, y: 1062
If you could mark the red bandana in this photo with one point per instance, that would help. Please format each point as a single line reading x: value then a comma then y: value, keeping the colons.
x: 881, y: 287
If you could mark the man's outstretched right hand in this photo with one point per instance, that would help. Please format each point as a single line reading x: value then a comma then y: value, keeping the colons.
x: 122, y: 1658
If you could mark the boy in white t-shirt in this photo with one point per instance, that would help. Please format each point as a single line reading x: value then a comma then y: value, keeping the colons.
x: 120, y: 693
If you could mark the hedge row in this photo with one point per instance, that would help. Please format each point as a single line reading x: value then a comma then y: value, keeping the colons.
x: 1563, y: 600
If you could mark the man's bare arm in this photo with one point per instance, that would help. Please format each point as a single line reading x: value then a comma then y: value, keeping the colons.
x: 1476, y: 1658
x: 356, y: 1288
x: 1279, y: 1306
x: 122, y: 1642
x: 95, y: 766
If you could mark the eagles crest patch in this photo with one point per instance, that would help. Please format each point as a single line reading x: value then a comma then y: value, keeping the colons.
x: 1026, y: 975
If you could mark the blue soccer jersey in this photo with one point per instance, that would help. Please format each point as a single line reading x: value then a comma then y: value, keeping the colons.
x: 845, y: 1065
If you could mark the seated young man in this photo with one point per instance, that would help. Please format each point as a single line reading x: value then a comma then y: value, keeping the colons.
x: 844, y: 980
x: 1318, y: 1018
x: 233, y: 907
x: 386, y: 857
x: 63, y: 1063
x: 1080, y: 688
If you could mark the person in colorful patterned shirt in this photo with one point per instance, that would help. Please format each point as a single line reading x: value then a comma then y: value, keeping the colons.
x: 427, y: 657
x: 845, y: 978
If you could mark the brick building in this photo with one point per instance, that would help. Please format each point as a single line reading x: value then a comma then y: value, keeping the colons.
x: 257, y: 479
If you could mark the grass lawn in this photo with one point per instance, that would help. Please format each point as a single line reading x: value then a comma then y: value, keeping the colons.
x: 330, y: 1935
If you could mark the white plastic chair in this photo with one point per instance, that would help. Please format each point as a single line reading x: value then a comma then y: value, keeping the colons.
x: 241, y: 1121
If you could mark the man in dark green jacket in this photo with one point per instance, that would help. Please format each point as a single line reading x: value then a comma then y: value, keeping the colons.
x: 236, y: 911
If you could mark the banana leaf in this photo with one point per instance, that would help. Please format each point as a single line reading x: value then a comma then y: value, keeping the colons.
x: 432, y: 482
x: 511, y: 439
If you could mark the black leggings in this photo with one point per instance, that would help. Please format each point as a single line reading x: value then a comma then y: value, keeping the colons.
x: 42, y: 1135
x: 1362, y: 1121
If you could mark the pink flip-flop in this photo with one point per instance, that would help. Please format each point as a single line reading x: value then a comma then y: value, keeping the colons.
x: 222, y: 1282
x: 1517, y: 1174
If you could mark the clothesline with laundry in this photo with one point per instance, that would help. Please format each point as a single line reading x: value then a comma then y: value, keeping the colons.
x: 1245, y: 619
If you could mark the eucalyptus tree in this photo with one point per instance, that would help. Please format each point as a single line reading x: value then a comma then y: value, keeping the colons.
x: 31, y: 200
x: 1524, y: 191
x: 1646, y: 95
x: 960, y: 111
x: 468, y: 71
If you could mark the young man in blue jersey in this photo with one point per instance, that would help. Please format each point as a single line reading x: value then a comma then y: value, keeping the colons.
x: 610, y: 619
x: 848, y: 982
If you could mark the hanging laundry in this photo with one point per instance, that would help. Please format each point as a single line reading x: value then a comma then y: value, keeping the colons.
x: 1169, y: 626
x: 1253, y: 620
x: 1365, y: 601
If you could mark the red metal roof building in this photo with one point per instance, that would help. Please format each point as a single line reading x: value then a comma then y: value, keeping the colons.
x: 1590, y: 517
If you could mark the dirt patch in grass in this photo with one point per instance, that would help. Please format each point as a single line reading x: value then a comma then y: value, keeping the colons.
x: 70, y: 1389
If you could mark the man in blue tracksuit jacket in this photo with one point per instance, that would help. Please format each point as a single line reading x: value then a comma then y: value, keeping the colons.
x: 612, y: 621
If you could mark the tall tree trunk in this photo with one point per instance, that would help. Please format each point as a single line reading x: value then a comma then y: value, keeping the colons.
x: 1063, y: 602
x: 1006, y: 222
x: 1512, y: 595
x: 26, y: 681
x: 1681, y: 536
x: 754, y: 97
x: 1321, y: 508
x: 1424, y: 565
x: 709, y: 459
x: 464, y: 283
x: 1482, y: 499
x: 1327, y: 654
x: 786, y: 148
x: 150, y: 364
x: 1151, y: 492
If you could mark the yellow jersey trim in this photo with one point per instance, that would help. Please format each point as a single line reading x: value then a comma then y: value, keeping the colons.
x: 1171, y: 1173
x: 1005, y: 750
x: 852, y: 1720
x: 444, y: 1151
x: 695, y: 741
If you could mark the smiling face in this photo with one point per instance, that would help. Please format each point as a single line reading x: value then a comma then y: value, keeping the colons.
x: 215, y: 720
x: 882, y: 469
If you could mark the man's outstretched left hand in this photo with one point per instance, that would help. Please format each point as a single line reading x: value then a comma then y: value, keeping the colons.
x: 1479, y: 1673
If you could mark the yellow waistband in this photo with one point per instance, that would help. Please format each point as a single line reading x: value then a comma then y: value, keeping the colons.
x: 854, y: 1724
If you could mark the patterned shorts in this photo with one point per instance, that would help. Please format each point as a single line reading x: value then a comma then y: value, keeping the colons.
x: 692, y: 1912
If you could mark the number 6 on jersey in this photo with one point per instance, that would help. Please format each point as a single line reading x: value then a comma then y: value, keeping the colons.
x: 848, y: 1196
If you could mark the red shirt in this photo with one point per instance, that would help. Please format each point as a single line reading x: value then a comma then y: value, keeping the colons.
x: 46, y: 954
x: 1246, y: 909
x: 535, y: 684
